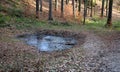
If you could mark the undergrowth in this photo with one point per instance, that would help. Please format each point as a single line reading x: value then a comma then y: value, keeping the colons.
x: 15, y: 17
x: 94, y: 23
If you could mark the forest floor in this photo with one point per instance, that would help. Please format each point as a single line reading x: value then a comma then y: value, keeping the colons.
x: 97, y: 52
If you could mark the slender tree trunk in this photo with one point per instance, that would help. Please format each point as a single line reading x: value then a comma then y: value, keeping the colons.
x: 76, y: 3
x: 88, y: 11
x: 85, y: 11
x: 40, y: 5
x: 86, y: 7
x: 91, y: 8
x: 109, y: 20
x: 62, y: 8
x: 95, y: 7
x: 94, y: 10
x: 56, y: 5
x: 50, y: 10
x: 37, y: 8
x: 79, y: 7
x: 102, y: 10
x: 73, y: 3
x: 106, y: 7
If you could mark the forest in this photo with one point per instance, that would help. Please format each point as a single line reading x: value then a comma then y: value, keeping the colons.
x: 59, y: 35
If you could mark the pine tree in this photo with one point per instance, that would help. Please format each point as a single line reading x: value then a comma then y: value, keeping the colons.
x: 40, y: 5
x: 79, y: 7
x: 106, y: 7
x: 73, y: 3
x: 109, y: 19
x: 50, y: 10
x: 85, y: 11
x: 62, y: 8
x: 37, y: 8
x: 102, y: 10
x: 56, y: 5
x: 91, y: 8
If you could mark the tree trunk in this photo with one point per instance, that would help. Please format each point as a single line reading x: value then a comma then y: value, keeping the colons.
x: 79, y: 7
x: 50, y: 10
x: 56, y: 5
x: 40, y: 5
x: 106, y: 7
x: 109, y: 20
x: 62, y: 8
x: 91, y: 8
x: 102, y: 10
x: 37, y: 8
x: 85, y: 11
x: 73, y: 3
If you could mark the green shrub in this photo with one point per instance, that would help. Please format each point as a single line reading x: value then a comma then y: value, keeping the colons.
x: 116, y: 25
x: 4, y: 20
x: 15, y: 12
x: 1, y: 8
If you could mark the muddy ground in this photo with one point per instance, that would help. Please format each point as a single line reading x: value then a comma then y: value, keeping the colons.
x: 95, y: 52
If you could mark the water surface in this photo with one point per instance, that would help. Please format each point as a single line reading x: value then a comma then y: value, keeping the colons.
x: 48, y: 42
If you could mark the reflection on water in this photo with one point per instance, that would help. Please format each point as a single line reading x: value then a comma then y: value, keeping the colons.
x: 49, y: 43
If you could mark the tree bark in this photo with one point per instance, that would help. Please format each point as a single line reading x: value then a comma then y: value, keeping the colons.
x: 62, y: 8
x: 56, y: 5
x: 50, y: 10
x: 85, y: 11
x: 91, y: 8
x: 109, y: 20
x: 79, y: 7
x: 102, y: 10
x: 40, y: 5
x: 73, y: 3
x: 106, y: 7
x: 37, y: 8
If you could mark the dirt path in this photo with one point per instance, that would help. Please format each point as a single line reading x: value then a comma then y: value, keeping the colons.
x: 103, y: 55
x: 111, y: 57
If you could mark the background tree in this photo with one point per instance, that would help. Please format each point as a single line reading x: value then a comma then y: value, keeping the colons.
x: 56, y: 5
x: 37, y: 8
x: 91, y: 8
x: 106, y: 7
x: 79, y: 6
x: 118, y: 5
x: 88, y: 6
x: 85, y: 11
x: 73, y: 3
x: 109, y: 19
x: 102, y: 10
x: 94, y: 5
x: 50, y: 10
x: 62, y: 8
x: 40, y: 5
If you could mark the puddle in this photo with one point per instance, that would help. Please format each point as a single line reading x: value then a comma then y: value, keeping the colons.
x: 48, y: 42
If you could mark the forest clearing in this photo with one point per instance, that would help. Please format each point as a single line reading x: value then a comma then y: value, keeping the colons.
x: 59, y: 36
